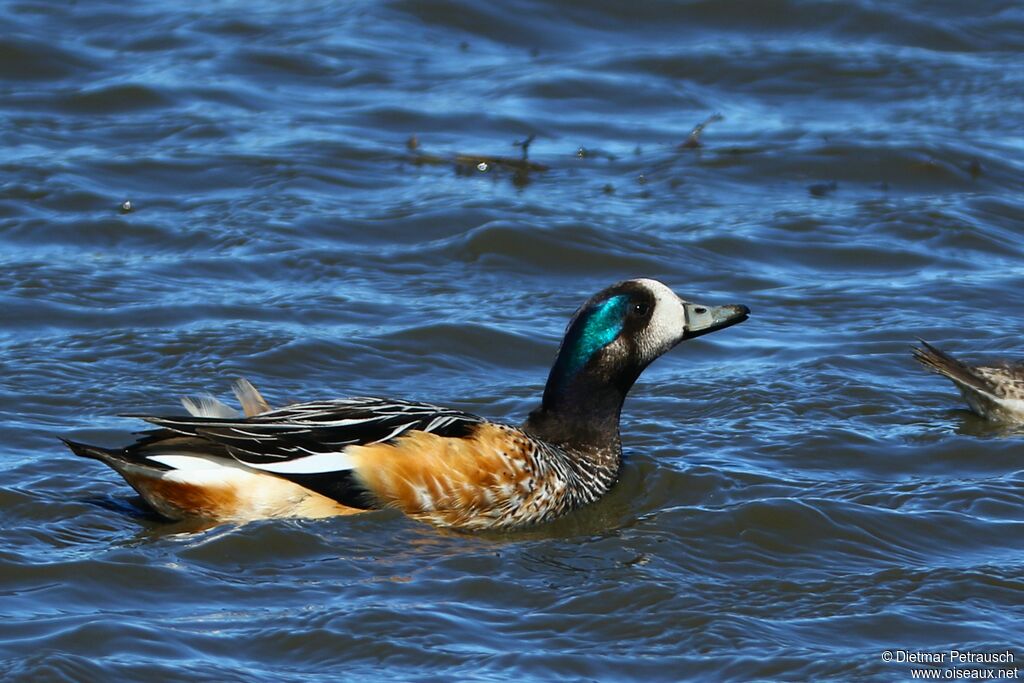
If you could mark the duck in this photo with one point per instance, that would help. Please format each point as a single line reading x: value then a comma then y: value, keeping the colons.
x: 438, y: 465
x: 994, y: 391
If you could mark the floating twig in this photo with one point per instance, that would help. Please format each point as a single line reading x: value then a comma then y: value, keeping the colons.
x: 525, y: 145
x: 473, y: 164
x: 693, y: 141
x: 485, y: 162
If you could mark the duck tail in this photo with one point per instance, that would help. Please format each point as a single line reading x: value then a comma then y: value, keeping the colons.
x: 84, y: 450
x: 946, y: 365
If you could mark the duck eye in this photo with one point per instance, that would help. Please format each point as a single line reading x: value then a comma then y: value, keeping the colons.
x: 640, y: 309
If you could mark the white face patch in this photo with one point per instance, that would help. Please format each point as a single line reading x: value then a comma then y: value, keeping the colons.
x: 668, y: 321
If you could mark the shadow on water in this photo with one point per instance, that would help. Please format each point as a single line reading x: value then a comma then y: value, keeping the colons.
x: 968, y: 423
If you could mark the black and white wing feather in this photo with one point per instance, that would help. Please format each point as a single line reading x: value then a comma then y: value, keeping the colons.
x: 311, y: 437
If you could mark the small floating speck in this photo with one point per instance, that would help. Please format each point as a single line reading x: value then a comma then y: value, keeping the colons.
x: 589, y: 153
x: 482, y: 167
x: 126, y: 206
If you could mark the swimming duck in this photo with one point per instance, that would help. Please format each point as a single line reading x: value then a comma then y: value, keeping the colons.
x: 993, y: 391
x: 438, y: 465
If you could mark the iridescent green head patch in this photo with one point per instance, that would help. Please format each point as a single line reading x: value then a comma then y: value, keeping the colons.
x: 596, y: 329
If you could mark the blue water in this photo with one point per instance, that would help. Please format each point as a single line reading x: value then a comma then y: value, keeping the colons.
x: 307, y: 210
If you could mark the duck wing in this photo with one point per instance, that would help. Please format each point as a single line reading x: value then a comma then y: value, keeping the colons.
x: 307, y: 442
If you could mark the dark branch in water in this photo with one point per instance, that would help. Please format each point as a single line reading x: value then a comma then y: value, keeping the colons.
x: 693, y: 141
x: 525, y: 145
x: 477, y: 162
x: 472, y: 164
x: 488, y: 161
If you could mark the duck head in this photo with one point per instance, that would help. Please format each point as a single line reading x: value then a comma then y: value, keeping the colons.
x: 609, y: 341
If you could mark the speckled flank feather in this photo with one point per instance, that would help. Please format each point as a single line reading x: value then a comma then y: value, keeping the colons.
x: 995, y: 391
x: 496, y: 477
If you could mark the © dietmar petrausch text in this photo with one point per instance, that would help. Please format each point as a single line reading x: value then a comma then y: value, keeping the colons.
x: 955, y: 665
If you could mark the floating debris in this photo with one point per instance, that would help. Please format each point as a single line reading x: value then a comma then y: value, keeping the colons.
x: 476, y: 160
x: 693, y: 141
x: 520, y: 178
x: 822, y: 189
x: 587, y: 153
x: 524, y: 145
x: 126, y: 206
x: 472, y: 164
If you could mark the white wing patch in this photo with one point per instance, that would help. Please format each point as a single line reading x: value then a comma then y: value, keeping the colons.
x: 203, y: 470
x: 318, y: 463
x: 188, y: 462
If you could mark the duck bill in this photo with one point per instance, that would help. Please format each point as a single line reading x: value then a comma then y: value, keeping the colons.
x: 704, y: 319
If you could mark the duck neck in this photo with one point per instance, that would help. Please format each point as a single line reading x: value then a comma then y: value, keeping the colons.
x: 581, y: 412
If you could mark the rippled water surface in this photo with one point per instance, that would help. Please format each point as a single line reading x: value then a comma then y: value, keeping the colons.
x: 324, y: 197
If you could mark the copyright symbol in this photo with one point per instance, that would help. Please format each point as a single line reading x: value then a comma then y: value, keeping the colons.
x: 887, y: 656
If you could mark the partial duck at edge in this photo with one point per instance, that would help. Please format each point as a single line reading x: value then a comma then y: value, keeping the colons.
x: 993, y: 391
